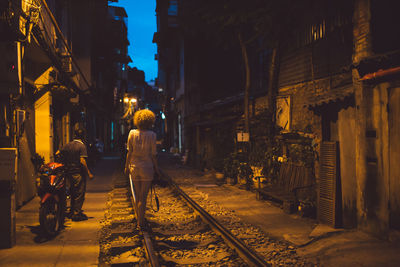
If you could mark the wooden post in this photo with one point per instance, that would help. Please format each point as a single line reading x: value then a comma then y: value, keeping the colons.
x: 362, y: 49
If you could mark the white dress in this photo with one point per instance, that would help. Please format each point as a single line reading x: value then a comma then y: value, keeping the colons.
x: 142, y: 146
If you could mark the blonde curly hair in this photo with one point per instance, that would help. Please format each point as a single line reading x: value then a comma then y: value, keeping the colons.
x: 144, y: 119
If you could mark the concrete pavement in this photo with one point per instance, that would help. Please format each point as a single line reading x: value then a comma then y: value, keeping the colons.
x: 78, y: 244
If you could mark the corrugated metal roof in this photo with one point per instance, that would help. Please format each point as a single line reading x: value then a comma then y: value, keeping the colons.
x: 331, y: 96
x: 217, y: 121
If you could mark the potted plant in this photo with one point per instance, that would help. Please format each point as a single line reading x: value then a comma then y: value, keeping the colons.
x: 271, y: 163
x: 307, y: 208
x: 245, y: 174
x: 231, y: 169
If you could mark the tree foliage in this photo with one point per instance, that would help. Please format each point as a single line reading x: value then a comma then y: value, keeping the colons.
x: 256, y: 19
x: 271, y: 21
x: 236, y: 22
x: 270, y: 24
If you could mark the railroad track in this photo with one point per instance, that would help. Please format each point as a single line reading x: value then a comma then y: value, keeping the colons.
x: 249, y: 256
x: 181, y: 233
x: 120, y: 243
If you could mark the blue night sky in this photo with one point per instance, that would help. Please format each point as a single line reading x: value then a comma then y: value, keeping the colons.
x: 141, y: 27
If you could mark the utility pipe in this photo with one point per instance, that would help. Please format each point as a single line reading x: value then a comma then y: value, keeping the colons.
x: 380, y: 73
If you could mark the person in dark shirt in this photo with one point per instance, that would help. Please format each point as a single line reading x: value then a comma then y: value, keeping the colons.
x: 74, y: 156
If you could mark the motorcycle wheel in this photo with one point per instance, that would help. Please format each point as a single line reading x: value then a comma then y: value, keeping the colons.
x: 49, y: 217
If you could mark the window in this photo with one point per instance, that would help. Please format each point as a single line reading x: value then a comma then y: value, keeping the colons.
x: 173, y: 8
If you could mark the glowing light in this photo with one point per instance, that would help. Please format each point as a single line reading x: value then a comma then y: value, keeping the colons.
x: 133, y: 100
x: 126, y: 100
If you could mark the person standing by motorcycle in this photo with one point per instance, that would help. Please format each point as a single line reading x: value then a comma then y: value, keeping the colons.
x: 75, y: 155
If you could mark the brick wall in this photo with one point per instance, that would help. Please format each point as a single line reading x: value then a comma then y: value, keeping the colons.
x: 362, y: 30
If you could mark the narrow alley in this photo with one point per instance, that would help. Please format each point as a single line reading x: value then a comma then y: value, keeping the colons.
x: 270, y: 128
x: 284, y: 239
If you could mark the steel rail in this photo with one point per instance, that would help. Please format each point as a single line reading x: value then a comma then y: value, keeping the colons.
x: 151, y: 255
x: 248, y: 255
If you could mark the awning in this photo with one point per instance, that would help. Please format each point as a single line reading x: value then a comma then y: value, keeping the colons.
x: 216, y: 121
x: 221, y: 102
x: 330, y: 96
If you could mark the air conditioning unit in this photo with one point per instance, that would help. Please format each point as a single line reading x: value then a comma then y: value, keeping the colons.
x: 66, y: 62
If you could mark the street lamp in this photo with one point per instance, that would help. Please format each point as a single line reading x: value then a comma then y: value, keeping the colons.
x: 129, y: 100
x: 129, y: 106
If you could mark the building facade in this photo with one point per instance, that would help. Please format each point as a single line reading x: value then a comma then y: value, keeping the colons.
x: 55, y: 79
x: 335, y: 92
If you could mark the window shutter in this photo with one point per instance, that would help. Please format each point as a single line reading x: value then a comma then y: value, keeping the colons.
x: 327, y: 212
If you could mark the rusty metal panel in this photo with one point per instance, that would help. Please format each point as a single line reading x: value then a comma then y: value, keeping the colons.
x: 328, y: 181
x: 322, y: 58
x: 340, y: 51
x: 332, y: 55
x: 295, y: 67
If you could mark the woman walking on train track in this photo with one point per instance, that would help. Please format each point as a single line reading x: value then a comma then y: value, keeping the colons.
x: 141, y: 161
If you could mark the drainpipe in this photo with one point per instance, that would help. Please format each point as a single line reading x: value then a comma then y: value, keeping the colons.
x: 380, y: 73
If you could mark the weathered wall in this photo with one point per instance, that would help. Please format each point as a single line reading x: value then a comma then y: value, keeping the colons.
x: 376, y: 138
x: 376, y: 184
x: 26, y: 189
x: 394, y: 157
x: 362, y: 49
x: 346, y: 127
x: 362, y: 30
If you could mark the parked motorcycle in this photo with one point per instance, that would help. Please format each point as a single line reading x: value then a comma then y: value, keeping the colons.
x: 51, y: 189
